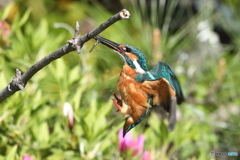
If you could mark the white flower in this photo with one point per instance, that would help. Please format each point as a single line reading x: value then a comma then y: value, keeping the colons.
x: 206, y: 34
x: 68, y: 112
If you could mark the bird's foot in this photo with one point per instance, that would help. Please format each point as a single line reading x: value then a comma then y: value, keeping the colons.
x: 117, y: 102
x: 116, y: 105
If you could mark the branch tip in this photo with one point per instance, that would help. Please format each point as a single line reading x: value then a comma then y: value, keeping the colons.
x: 124, y: 14
x: 77, y: 29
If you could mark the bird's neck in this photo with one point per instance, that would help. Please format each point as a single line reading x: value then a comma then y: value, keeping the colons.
x: 128, y: 72
x: 138, y: 67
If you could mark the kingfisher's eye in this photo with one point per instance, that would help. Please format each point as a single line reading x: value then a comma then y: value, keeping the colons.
x: 128, y: 49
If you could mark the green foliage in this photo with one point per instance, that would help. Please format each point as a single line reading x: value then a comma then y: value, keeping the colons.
x: 32, y: 121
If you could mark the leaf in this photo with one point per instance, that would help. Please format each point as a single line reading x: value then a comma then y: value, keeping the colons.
x: 7, y: 10
x: 3, y: 80
x: 85, y: 128
x: 41, y: 133
x: 12, y: 154
x: 74, y: 75
x: 24, y: 18
x: 41, y: 35
x: 154, y: 122
x: 163, y: 131
x: 104, y: 109
x: 60, y: 70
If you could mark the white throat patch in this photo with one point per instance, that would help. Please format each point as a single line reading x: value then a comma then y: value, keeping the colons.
x: 138, y: 67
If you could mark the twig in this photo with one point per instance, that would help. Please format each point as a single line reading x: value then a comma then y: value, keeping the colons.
x: 95, y: 44
x: 76, y: 43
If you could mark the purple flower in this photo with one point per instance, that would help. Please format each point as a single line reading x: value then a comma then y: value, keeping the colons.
x: 27, y: 157
x: 147, y: 155
x: 127, y: 143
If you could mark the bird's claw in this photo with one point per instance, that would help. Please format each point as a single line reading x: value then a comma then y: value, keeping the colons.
x: 116, y: 105
x: 117, y: 102
x: 115, y: 96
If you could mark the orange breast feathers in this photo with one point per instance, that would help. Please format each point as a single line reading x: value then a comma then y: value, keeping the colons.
x: 134, y: 96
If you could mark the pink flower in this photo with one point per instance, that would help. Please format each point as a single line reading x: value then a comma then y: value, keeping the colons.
x: 127, y: 143
x: 1, y: 24
x: 147, y: 155
x: 27, y: 157
x: 68, y: 112
x: 4, y: 28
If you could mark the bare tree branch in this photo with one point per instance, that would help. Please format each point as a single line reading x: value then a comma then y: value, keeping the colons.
x: 76, y: 43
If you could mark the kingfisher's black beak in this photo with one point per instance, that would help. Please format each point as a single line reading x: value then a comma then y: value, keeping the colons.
x: 115, y: 46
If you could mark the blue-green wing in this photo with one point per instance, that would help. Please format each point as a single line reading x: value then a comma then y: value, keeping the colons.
x: 162, y: 70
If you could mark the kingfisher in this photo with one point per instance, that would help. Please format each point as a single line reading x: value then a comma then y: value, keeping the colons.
x: 140, y: 88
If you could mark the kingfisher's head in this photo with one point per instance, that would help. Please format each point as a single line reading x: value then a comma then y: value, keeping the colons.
x: 129, y: 54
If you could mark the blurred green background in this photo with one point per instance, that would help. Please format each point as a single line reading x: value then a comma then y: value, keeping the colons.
x: 198, y: 39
